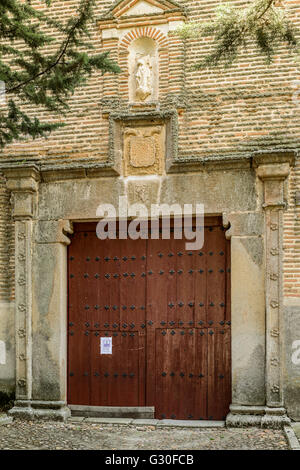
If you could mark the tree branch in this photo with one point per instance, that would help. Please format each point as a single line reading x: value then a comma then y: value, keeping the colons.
x: 50, y: 67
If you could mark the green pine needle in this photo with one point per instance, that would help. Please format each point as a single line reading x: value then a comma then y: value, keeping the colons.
x: 261, y: 23
x: 34, y: 77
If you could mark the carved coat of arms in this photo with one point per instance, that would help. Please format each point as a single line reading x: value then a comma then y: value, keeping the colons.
x: 143, y: 150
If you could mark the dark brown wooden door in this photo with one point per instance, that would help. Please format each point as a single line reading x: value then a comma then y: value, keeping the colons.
x: 167, y: 312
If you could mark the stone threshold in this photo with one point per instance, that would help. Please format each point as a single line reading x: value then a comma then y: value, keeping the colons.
x: 149, y: 422
x: 292, y: 434
x: 128, y: 412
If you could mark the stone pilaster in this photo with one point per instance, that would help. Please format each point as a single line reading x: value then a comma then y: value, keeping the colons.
x: 23, y: 238
x: 40, y: 332
x: 264, y: 337
x: 273, y: 177
x: 49, y: 285
x: 245, y: 230
x: 23, y: 185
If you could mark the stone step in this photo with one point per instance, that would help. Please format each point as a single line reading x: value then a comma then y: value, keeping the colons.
x: 149, y: 422
x: 139, y: 412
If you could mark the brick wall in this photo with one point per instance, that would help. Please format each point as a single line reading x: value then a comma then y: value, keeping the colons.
x: 6, y: 245
x: 292, y: 239
x: 230, y: 112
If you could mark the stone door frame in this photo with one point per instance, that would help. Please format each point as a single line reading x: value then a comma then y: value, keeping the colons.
x: 35, y: 238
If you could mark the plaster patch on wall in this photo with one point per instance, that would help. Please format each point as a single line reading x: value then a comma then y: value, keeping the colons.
x: 2, y: 353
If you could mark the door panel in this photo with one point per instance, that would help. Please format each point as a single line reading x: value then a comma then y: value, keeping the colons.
x: 107, y: 298
x: 219, y: 378
x: 181, y: 374
x: 167, y: 311
x: 115, y: 377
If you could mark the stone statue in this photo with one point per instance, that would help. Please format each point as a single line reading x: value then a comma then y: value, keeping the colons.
x: 143, y: 78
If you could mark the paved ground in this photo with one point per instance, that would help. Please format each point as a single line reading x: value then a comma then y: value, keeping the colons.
x: 296, y: 427
x: 52, y: 435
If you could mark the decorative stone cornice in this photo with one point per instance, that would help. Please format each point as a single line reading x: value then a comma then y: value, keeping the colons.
x: 278, y: 172
x: 274, y: 157
x: 273, y: 169
x: 22, y: 178
x: 52, y: 171
x: 194, y: 164
x: 273, y: 177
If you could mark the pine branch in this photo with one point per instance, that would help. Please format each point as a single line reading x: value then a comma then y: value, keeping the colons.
x: 37, y: 78
x: 262, y: 23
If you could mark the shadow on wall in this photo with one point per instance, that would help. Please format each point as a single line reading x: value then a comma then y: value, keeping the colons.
x: 6, y: 401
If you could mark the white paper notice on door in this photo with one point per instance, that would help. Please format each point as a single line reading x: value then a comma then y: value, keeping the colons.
x: 106, y: 345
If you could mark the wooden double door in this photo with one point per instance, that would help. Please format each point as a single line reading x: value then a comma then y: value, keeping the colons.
x: 149, y: 324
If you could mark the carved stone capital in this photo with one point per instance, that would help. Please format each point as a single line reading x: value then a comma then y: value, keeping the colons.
x: 273, y: 168
x: 22, y: 179
x: 273, y: 177
x: 274, y: 158
x: 23, y: 184
x: 24, y: 205
x: 277, y: 172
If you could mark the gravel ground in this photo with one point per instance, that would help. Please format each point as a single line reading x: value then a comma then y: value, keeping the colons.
x: 82, y: 436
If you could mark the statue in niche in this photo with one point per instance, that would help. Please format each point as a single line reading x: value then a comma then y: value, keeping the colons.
x: 143, y: 78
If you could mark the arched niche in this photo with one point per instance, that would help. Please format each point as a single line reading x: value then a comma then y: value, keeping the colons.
x: 143, y: 65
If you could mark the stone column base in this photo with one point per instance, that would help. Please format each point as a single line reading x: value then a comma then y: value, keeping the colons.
x: 259, y: 416
x: 51, y: 410
x: 275, y: 418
